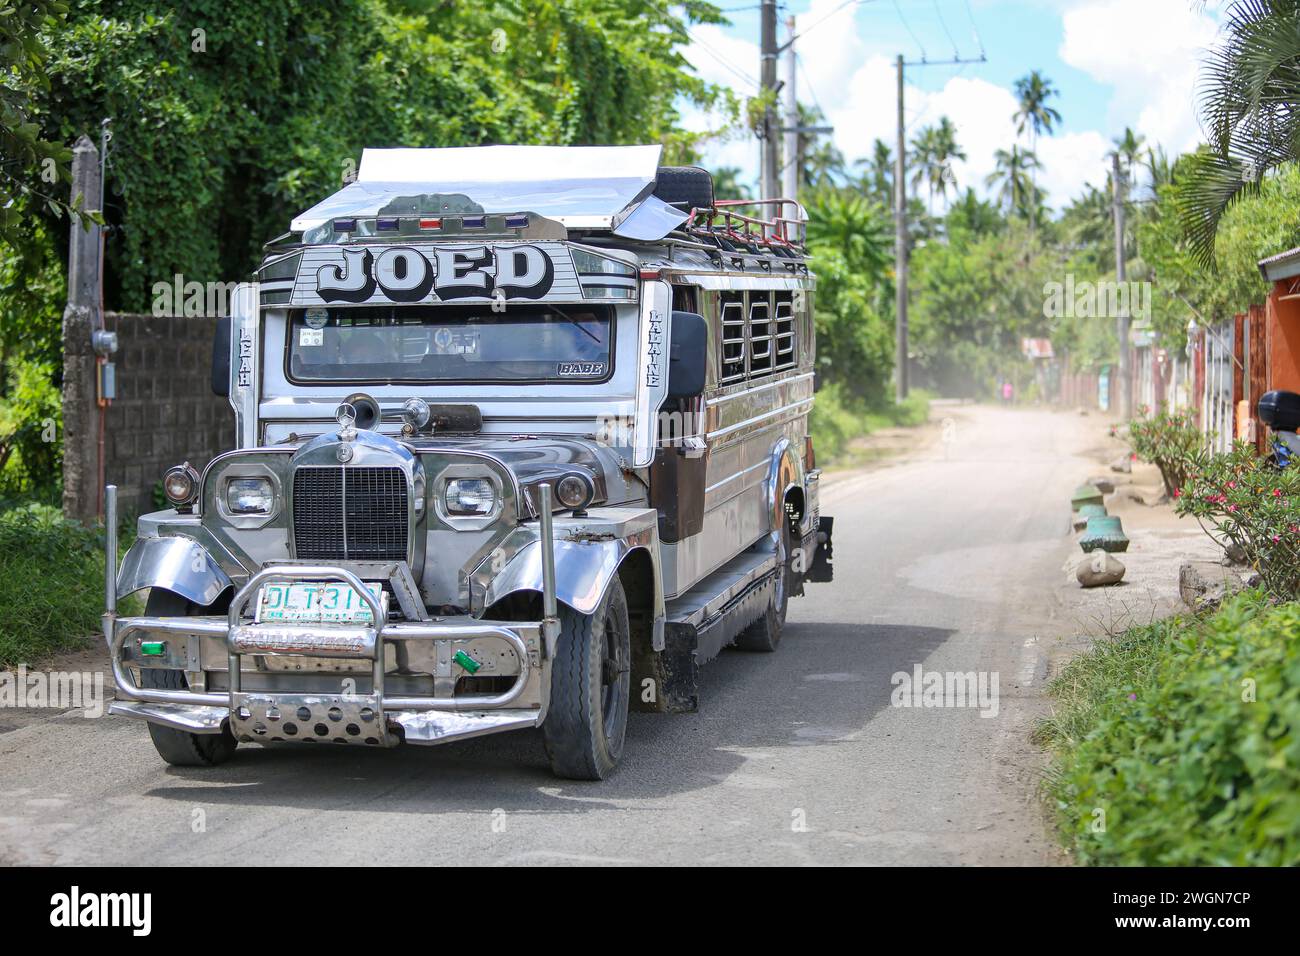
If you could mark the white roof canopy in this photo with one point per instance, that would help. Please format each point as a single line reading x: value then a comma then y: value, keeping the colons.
x: 580, y: 186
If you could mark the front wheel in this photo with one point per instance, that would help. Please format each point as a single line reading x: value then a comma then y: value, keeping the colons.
x: 179, y: 747
x: 590, y: 679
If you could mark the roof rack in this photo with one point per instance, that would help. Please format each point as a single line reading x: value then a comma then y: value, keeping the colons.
x: 723, y: 220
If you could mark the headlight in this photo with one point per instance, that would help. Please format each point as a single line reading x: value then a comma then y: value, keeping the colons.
x: 470, y: 496
x: 181, y: 484
x: 250, y: 496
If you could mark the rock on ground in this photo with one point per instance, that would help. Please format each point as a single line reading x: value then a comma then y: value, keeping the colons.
x: 1122, y: 465
x: 1098, y: 569
x: 1204, y: 584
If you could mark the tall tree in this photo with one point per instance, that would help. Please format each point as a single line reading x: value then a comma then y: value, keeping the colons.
x: 1250, y: 88
x: 933, y: 152
x: 1036, y: 117
x: 877, y: 179
x: 1011, y: 176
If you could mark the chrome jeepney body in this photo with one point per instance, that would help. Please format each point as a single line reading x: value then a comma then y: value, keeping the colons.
x: 585, y: 469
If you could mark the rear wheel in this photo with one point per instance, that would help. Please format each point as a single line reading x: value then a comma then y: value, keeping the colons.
x: 590, y: 679
x: 178, y: 747
x: 765, y: 634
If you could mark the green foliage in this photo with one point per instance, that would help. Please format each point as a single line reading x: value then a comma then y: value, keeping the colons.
x: 295, y: 90
x: 974, y: 297
x: 1170, y: 441
x: 51, y: 583
x: 1185, y: 734
x: 229, y: 118
x: 1249, y: 503
x: 1250, y: 87
x: 30, y: 164
x: 849, y: 245
x: 30, y: 451
x: 1255, y: 227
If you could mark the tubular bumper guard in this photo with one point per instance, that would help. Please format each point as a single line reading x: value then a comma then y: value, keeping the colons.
x: 372, y: 718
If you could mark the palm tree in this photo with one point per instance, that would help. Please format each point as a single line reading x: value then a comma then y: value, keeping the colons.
x: 1034, y: 115
x: 1013, y: 169
x: 933, y: 151
x: 1250, y: 88
x: 854, y: 228
x: 877, y: 179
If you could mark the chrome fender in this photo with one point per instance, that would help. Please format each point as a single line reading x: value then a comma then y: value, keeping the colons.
x: 173, y: 563
x: 588, y: 553
x: 785, y: 472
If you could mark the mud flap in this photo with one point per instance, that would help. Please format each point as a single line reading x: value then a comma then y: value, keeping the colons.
x: 822, y: 570
x: 664, y: 682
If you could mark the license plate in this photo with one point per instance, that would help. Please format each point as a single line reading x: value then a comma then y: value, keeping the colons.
x: 327, y: 603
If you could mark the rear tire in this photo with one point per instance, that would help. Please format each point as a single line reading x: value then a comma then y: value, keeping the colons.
x: 586, y: 722
x: 764, y: 635
x: 178, y: 747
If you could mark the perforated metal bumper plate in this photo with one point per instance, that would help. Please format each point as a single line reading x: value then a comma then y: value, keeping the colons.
x: 341, y: 719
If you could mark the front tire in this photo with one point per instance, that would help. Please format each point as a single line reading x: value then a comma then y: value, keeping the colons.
x: 178, y: 747
x: 586, y: 722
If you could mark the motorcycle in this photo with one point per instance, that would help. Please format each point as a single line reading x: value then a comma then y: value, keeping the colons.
x: 1280, y: 411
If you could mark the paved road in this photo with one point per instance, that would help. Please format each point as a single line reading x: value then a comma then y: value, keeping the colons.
x: 946, y: 560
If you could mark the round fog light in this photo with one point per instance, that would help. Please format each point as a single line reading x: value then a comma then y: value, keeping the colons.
x: 573, y: 491
x: 181, y: 484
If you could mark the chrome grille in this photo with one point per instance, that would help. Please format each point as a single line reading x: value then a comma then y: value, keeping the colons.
x: 357, y: 514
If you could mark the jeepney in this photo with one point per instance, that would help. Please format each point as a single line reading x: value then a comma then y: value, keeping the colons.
x: 521, y: 441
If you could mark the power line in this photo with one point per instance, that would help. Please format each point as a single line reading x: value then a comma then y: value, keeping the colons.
x: 973, y: 28
x: 908, y: 27
x: 943, y: 23
x: 737, y: 71
x: 808, y: 79
x: 816, y: 23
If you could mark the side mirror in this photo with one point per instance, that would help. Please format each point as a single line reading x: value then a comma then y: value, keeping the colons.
x: 688, y: 355
x: 221, y: 358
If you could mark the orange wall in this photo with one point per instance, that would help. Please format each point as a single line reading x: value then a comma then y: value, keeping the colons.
x: 1283, y: 323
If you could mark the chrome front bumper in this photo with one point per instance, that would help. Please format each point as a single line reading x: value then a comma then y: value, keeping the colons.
x: 262, y: 663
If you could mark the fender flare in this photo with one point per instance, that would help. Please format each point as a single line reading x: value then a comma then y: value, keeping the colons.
x: 173, y: 563
x: 583, y: 570
x: 783, y: 474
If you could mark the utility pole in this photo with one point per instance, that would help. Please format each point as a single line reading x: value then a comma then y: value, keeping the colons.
x: 80, y: 319
x: 767, y: 77
x: 900, y: 250
x: 900, y: 227
x: 793, y: 159
x: 1122, y: 319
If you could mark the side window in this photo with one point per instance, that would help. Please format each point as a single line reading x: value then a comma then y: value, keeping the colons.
x: 785, y: 325
x: 761, y: 342
x: 733, y: 337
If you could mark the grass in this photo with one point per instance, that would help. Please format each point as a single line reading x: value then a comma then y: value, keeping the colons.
x: 1177, y: 743
x: 51, y: 583
x: 838, y: 419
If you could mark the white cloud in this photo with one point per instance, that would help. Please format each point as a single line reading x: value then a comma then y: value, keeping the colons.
x: 1150, y: 53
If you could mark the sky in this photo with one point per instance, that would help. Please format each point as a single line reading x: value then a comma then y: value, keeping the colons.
x: 1116, y: 63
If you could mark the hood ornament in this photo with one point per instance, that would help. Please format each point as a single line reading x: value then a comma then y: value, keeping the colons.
x: 346, y: 416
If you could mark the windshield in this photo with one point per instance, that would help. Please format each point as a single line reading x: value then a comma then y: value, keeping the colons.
x: 440, y: 343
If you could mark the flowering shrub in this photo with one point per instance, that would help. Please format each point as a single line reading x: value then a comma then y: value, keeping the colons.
x: 1168, y: 440
x: 1248, y: 502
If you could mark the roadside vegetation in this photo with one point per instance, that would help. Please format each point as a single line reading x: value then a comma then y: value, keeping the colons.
x: 1177, y: 743
x: 51, y: 583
